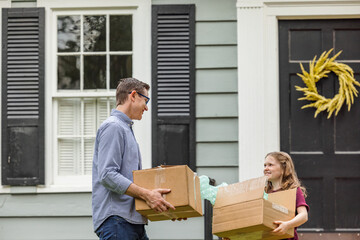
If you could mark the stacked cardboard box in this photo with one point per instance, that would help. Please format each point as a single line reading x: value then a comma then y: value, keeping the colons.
x: 184, y: 195
x: 241, y: 212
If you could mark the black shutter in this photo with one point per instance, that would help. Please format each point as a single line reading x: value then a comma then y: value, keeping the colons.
x: 173, y: 85
x: 23, y: 96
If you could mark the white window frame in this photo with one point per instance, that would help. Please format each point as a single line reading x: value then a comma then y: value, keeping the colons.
x: 258, y: 84
x: 141, y: 11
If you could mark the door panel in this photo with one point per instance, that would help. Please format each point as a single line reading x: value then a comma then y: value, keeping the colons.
x: 326, y: 152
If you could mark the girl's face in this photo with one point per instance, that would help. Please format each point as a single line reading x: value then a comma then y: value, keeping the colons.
x: 272, y: 169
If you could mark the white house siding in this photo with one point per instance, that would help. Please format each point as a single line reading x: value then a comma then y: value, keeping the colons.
x: 27, y: 214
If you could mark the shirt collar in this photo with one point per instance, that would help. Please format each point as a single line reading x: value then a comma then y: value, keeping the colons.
x: 122, y: 116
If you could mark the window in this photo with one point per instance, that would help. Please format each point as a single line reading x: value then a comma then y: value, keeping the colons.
x: 93, y: 51
x: 89, y: 46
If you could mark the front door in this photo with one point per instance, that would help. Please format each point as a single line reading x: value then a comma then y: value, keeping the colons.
x: 326, y: 152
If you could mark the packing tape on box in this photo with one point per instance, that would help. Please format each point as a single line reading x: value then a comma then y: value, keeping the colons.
x: 159, y: 177
x: 280, y: 208
x: 195, y: 174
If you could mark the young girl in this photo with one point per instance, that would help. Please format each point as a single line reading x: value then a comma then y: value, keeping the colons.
x: 280, y: 170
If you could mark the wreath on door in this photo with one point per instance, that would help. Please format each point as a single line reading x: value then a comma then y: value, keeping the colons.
x: 319, y: 69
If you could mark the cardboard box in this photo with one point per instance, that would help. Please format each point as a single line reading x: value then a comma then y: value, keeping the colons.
x: 184, y: 195
x: 241, y: 212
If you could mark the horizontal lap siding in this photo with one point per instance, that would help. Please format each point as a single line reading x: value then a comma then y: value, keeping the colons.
x: 47, y: 228
x: 217, y: 130
x: 216, y: 33
x: 46, y: 216
x: 216, y: 99
x: 212, y: 105
x: 45, y: 205
x: 218, y: 57
x: 216, y: 81
x: 209, y: 153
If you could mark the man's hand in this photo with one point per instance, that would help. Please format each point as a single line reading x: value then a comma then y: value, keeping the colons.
x: 281, y: 229
x: 155, y: 200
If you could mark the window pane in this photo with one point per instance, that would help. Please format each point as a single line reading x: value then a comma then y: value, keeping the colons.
x: 94, y: 72
x: 94, y: 33
x: 90, y: 117
x: 68, y: 33
x: 69, y: 111
x: 102, y: 109
x: 68, y: 72
x: 69, y: 158
x: 121, y: 33
x: 120, y: 67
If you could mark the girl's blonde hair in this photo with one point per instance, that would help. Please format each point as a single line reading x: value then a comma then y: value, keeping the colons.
x: 289, y: 179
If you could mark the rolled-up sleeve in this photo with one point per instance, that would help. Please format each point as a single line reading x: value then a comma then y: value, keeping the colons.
x: 110, y: 157
x: 300, y: 199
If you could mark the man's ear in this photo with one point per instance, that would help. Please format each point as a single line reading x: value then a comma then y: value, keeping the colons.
x: 132, y: 95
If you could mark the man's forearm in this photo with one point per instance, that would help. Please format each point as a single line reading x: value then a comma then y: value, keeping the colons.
x: 137, y: 192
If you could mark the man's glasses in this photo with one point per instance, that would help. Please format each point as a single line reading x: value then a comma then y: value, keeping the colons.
x: 147, y: 98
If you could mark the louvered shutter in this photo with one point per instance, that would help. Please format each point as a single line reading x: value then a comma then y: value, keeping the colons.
x: 23, y: 96
x: 173, y: 84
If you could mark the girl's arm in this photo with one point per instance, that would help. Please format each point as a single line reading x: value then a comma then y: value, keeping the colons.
x: 298, y: 220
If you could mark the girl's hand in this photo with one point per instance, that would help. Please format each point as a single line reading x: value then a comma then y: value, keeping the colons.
x: 282, y: 228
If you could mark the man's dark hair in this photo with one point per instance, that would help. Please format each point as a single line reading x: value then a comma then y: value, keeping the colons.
x: 127, y: 85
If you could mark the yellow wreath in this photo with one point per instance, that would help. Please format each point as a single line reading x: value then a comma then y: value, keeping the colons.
x: 319, y: 70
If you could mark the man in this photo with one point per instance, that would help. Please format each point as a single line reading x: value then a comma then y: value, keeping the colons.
x: 116, y: 155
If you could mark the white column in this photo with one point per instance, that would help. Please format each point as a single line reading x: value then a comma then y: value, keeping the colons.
x: 250, y: 17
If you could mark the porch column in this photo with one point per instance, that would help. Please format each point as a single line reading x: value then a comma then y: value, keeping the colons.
x: 250, y: 20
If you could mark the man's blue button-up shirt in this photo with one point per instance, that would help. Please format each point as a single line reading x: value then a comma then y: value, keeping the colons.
x: 116, y: 155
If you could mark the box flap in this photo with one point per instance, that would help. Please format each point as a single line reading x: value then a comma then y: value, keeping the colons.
x: 241, y: 192
x: 285, y: 198
x: 159, y: 167
x: 167, y: 166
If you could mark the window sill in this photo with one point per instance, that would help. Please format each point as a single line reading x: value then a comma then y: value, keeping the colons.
x: 44, y: 189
